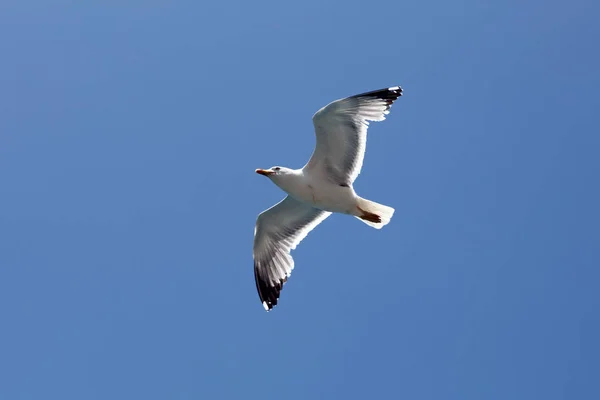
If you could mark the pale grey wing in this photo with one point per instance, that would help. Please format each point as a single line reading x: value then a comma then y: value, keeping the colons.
x: 278, y: 231
x: 341, y: 130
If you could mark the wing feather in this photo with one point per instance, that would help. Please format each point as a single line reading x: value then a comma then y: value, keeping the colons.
x: 278, y: 231
x: 341, y: 131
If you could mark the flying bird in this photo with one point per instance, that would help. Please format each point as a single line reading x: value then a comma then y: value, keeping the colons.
x: 323, y: 186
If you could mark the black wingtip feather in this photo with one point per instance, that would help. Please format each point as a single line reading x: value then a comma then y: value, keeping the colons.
x: 390, y: 94
x: 269, y: 294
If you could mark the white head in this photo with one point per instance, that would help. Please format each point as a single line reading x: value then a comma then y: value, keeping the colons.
x: 275, y: 172
x: 289, y: 180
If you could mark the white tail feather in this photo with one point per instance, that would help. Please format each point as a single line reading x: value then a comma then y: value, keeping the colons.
x: 384, y: 212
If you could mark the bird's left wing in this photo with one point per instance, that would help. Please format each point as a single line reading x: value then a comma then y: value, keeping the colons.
x: 278, y: 231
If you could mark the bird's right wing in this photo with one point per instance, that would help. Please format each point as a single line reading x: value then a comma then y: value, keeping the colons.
x: 278, y: 231
x: 341, y: 130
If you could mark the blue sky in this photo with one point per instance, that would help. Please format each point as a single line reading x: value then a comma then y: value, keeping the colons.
x: 129, y: 135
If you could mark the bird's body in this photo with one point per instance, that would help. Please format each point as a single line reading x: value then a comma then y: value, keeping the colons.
x: 323, y: 186
x: 315, y: 191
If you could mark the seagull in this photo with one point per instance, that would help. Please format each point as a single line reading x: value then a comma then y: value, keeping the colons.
x: 322, y: 187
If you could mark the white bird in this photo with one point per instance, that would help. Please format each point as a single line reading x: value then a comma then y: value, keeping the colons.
x: 323, y: 186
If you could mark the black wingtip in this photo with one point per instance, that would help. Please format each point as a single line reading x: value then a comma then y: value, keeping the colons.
x: 389, y: 94
x: 268, y: 293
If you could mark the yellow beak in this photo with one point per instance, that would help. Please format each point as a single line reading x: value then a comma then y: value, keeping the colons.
x: 264, y: 172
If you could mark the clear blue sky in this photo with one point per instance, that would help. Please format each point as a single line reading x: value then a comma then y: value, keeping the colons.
x: 129, y: 135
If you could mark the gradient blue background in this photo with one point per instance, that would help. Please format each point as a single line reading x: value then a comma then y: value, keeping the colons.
x: 129, y: 135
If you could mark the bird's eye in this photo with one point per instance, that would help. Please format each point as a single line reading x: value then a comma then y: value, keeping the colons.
x: 276, y: 168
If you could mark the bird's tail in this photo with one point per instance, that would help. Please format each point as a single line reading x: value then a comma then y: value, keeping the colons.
x: 373, y: 214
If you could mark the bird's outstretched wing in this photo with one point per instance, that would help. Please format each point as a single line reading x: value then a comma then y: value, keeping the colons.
x: 278, y: 231
x: 341, y: 130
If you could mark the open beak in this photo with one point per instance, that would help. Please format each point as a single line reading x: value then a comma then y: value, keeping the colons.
x: 264, y: 172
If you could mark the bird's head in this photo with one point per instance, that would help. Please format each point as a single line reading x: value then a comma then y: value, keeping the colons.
x: 273, y: 172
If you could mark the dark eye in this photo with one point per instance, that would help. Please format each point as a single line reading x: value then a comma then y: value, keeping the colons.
x: 277, y: 168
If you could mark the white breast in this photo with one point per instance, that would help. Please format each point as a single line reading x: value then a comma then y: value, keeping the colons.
x: 318, y: 192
